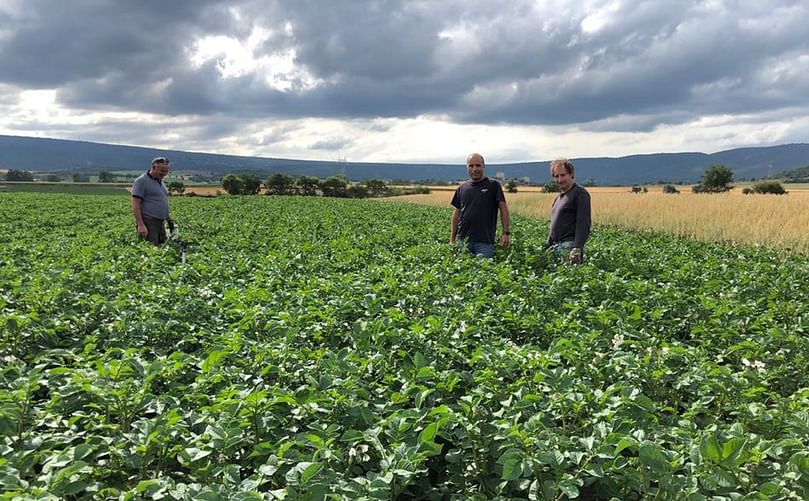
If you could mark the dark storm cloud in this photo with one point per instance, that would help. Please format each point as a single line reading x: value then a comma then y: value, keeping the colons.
x: 331, y: 144
x: 630, y: 65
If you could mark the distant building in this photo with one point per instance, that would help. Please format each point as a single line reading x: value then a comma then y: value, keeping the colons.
x: 500, y: 175
x: 525, y: 179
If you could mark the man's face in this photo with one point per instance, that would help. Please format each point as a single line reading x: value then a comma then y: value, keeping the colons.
x: 475, y: 167
x: 562, y: 178
x: 160, y: 169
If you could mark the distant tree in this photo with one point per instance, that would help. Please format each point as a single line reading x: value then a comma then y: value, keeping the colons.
x: 19, y: 175
x: 511, y: 186
x: 636, y: 189
x: 334, y: 187
x: 357, y: 191
x: 176, y: 188
x: 670, y: 189
x: 252, y: 183
x: 376, y: 187
x: 280, y: 184
x: 307, y: 185
x: 551, y: 187
x: 52, y: 178
x: 106, y: 177
x: 771, y: 187
x: 716, y: 179
x: 233, y: 184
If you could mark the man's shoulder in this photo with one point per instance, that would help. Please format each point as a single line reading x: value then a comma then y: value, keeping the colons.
x: 579, y: 189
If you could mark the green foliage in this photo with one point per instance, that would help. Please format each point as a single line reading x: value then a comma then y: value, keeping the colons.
x: 19, y: 175
x: 334, y: 186
x: 376, y: 188
x: 511, y: 186
x: 280, y: 184
x: 357, y: 191
x: 551, y: 187
x: 800, y: 175
x: 670, y: 189
x: 307, y: 185
x: 716, y: 179
x: 106, y: 177
x: 765, y: 187
x: 251, y: 184
x: 233, y: 184
x: 176, y: 188
x: 314, y: 348
x: 241, y: 184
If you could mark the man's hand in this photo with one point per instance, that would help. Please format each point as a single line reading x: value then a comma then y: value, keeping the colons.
x: 504, y: 240
x: 575, y: 255
x: 142, y: 230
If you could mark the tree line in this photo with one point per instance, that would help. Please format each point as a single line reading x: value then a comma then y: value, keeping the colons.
x: 333, y: 186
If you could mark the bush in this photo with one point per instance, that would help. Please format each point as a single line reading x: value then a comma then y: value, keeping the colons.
x: 357, y: 191
x: 280, y: 184
x: 233, y: 184
x: 19, y: 175
x: 106, y: 177
x: 768, y: 187
x: 334, y: 186
x: 670, y: 189
x: 241, y: 184
x: 551, y: 187
x: 376, y: 188
x: 511, y: 186
x: 176, y: 188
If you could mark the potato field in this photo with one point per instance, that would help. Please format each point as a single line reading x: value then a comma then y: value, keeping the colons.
x: 315, y: 348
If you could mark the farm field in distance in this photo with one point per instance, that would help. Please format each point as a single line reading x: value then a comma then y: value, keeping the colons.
x: 776, y: 221
x: 315, y: 348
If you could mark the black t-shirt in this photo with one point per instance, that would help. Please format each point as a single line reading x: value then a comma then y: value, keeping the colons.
x: 478, y: 203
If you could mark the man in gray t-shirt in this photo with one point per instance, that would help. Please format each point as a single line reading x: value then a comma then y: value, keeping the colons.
x: 150, y: 202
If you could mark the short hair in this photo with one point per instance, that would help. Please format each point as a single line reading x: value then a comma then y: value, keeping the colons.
x: 160, y: 160
x: 482, y: 160
x: 564, y: 162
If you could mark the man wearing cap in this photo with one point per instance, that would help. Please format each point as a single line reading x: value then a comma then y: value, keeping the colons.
x: 150, y: 202
x: 570, y: 214
x: 476, y: 202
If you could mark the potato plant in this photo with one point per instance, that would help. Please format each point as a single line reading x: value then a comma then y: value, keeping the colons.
x: 314, y: 348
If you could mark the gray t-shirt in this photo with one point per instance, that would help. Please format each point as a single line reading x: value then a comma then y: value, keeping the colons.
x: 153, y: 194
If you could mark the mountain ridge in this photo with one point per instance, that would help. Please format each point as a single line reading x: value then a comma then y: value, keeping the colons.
x: 63, y: 155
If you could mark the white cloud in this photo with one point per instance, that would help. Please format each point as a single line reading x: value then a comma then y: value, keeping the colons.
x: 409, y: 81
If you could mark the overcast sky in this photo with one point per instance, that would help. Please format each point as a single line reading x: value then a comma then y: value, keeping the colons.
x: 413, y: 81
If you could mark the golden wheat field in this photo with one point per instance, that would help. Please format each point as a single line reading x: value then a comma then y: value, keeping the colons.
x: 780, y: 221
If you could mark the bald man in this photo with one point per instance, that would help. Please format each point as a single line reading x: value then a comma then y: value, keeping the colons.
x: 476, y: 203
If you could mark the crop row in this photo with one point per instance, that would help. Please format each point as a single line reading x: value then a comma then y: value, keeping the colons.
x: 317, y: 348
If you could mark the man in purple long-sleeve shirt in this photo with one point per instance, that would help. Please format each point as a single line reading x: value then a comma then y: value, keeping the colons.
x: 570, y: 214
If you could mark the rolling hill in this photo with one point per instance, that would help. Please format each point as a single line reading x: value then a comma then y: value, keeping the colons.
x: 59, y: 155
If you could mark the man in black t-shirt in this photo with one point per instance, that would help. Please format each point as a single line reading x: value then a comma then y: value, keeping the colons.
x: 476, y: 202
